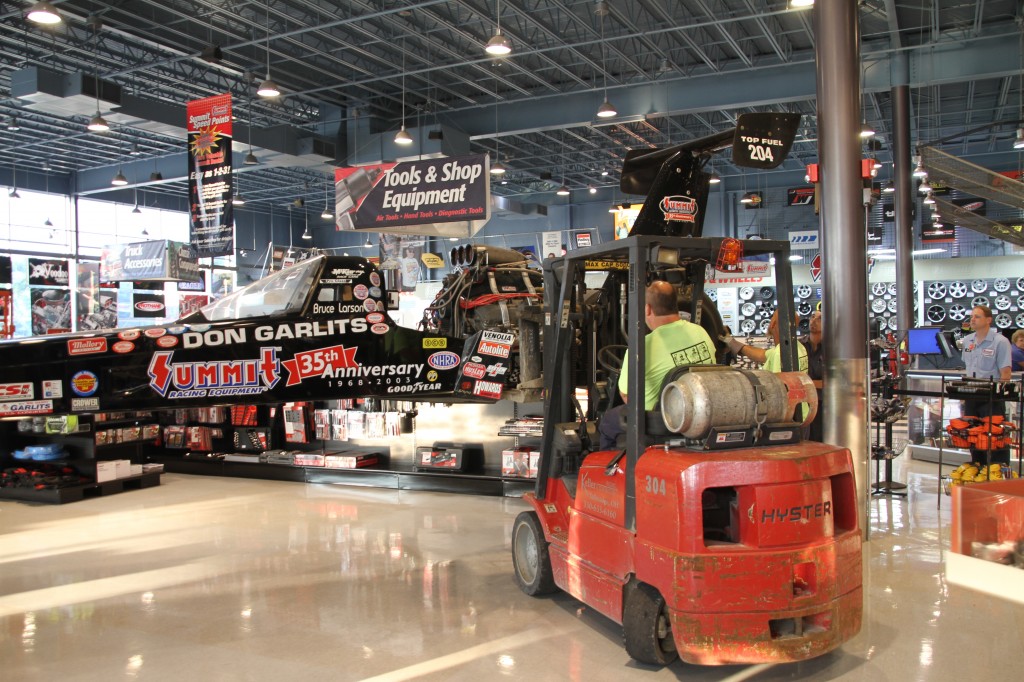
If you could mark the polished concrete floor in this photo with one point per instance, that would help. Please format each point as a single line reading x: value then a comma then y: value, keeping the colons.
x: 231, y: 579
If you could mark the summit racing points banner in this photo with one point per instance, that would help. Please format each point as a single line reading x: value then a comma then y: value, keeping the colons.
x: 209, y: 176
x: 444, y: 197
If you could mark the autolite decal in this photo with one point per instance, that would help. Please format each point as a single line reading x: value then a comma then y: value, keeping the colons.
x: 19, y: 391
x: 318, y: 363
x: 86, y: 346
x: 679, y: 209
x: 498, y: 350
x: 218, y: 378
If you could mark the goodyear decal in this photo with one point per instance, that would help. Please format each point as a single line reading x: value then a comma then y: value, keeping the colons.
x: 217, y: 378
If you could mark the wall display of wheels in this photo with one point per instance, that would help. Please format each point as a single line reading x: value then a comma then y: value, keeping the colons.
x: 757, y: 303
x: 946, y: 303
x: 882, y: 305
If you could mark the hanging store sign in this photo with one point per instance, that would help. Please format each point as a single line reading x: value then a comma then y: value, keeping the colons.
x: 48, y: 272
x: 209, y: 176
x: 803, y: 240
x: 800, y: 196
x: 154, y: 261
x: 148, y: 305
x: 447, y: 197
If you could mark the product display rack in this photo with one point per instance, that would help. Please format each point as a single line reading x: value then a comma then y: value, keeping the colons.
x: 993, y: 390
x: 886, y: 410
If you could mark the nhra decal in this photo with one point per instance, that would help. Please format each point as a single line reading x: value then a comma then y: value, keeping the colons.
x: 215, y: 378
x: 488, y: 389
x: 20, y: 391
x: 87, y: 346
x: 297, y: 330
x: 84, y: 383
x: 679, y: 209
x: 443, y: 360
x: 26, y: 408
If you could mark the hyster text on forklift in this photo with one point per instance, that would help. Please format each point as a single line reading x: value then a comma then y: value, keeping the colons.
x: 714, y: 533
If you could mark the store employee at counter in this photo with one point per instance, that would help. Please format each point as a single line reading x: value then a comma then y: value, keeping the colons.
x: 986, y: 355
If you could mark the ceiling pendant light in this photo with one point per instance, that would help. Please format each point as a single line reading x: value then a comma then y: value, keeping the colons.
x: 928, y: 200
x: 607, y: 109
x: 919, y: 171
x: 497, y: 168
x: 13, y: 194
x: 1019, y: 142
x: 747, y: 198
x: 136, y: 210
x: 97, y: 123
x: 368, y: 244
x: 119, y: 180
x: 866, y: 130
x: 268, y: 88
x: 924, y: 187
x: 12, y: 125
x: 563, y: 191
x: 498, y: 45
x: 238, y: 200
x: 889, y: 188
x: 43, y: 13
x: 145, y: 232
x: 306, y: 234
x: 798, y: 4
x: 156, y: 176
x: 48, y: 223
x: 327, y: 214
x: 591, y: 189
x: 403, y: 138
x: 714, y: 178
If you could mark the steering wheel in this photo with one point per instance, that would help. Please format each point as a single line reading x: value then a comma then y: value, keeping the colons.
x: 610, y: 357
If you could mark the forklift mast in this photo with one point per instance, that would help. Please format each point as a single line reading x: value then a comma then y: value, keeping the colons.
x: 665, y: 237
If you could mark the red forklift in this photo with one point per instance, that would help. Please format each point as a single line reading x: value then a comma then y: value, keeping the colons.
x: 713, y: 533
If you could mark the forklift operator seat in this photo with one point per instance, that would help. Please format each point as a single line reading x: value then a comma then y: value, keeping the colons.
x: 656, y: 430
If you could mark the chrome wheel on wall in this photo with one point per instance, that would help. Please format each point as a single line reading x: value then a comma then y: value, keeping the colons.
x: 957, y: 289
x: 936, y: 290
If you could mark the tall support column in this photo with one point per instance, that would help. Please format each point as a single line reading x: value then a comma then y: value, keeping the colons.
x: 904, y: 194
x: 843, y: 237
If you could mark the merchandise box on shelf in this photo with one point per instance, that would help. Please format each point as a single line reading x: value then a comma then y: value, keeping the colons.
x: 350, y: 460
x: 520, y: 462
x: 987, y: 539
x: 106, y: 471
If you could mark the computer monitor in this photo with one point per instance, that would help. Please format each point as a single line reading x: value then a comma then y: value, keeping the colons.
x: 924, y: 341
x: 947, y: 343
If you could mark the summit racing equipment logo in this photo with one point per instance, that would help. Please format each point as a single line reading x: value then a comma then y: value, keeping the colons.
x: 679, y: 209
x: 214, y: 379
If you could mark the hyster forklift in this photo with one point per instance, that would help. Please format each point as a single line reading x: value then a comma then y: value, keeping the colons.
x: 713, y: 532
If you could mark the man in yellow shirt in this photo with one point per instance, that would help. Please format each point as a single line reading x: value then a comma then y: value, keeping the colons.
x: 672, y: 342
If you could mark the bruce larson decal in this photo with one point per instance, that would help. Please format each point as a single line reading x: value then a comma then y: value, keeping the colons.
x: 26, y: 408
x: 217, y: 378
x: 297, y: 330
x: 18, y: 391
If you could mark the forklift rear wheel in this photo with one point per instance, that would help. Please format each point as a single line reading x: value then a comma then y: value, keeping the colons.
x: 646, y: 627
x: 530, y: 556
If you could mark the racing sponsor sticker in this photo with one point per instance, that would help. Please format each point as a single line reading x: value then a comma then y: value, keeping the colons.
x: 360, y: 291
x: 375, y: 318
x: 498, y: 337
x: 380, y: 328
x: 177, y: 329
x: 431, y: 376
x: 123, y: 347
x: 322, y: 363
x: 129, y: 334
x: 225, y: 336
x: 167, y: 341
x: 375, y: 292
x: 149, y: 307
x: 84, y: 383
x: 370, y: 305
x: 22, y: 390
x: 84, y: 404
x: 87, y: 346
x: 443, y: 360
x: 53, y: 388
x: 488, y: 389
x: 440, y: 342
x: 496, y: 370
x: 474, y: 370
x: 155, y: 332
x: 679, y: 209
x: 498, y: 350
x: 375, y: 279
x: 251, y: 376
x: 26, y: 408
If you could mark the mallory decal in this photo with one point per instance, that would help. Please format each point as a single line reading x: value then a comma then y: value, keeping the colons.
x: 214, y: 379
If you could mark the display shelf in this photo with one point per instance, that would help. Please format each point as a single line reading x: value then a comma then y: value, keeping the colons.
x: 79, y: 492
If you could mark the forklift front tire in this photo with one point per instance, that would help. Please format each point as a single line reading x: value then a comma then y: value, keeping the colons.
x: 530, y: 556
x: 646, y: 627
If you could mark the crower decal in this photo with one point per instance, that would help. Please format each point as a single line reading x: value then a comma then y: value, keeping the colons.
x: 216, y: 378
x: 322, y: 362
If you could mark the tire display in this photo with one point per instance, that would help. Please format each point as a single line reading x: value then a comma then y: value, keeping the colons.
x: 957, y: 312
x: 936, y: 313
x: 891, y: 288
x: 957, y: 289
x: 748, y: 309
x: 936, y: 290
x: 878, y: 288
x: 979, y: 286
x: 1001, y: 284
x: 878, y: 305
x: 1003, y: 320
x: 804, y: 291
x: 979, y: 300
x: 747, y: 293
x: 1002, y: 302
x: 892, y: 305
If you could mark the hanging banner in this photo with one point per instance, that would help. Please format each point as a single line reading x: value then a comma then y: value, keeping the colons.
x: 48, y: 272
x: 197, y: 285
x: 157, y: 261
x: 5, y: 269
x: 799, y: 196
x: 447, y: 197
x: 148, y: 305
x: 51, y: 311
x: 209, y: 176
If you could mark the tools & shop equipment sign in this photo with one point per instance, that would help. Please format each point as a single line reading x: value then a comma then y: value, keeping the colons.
x: 454, y: 189
x: 209, y: 176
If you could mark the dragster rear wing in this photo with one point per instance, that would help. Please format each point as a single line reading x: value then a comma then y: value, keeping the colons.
x: 674, y: 180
